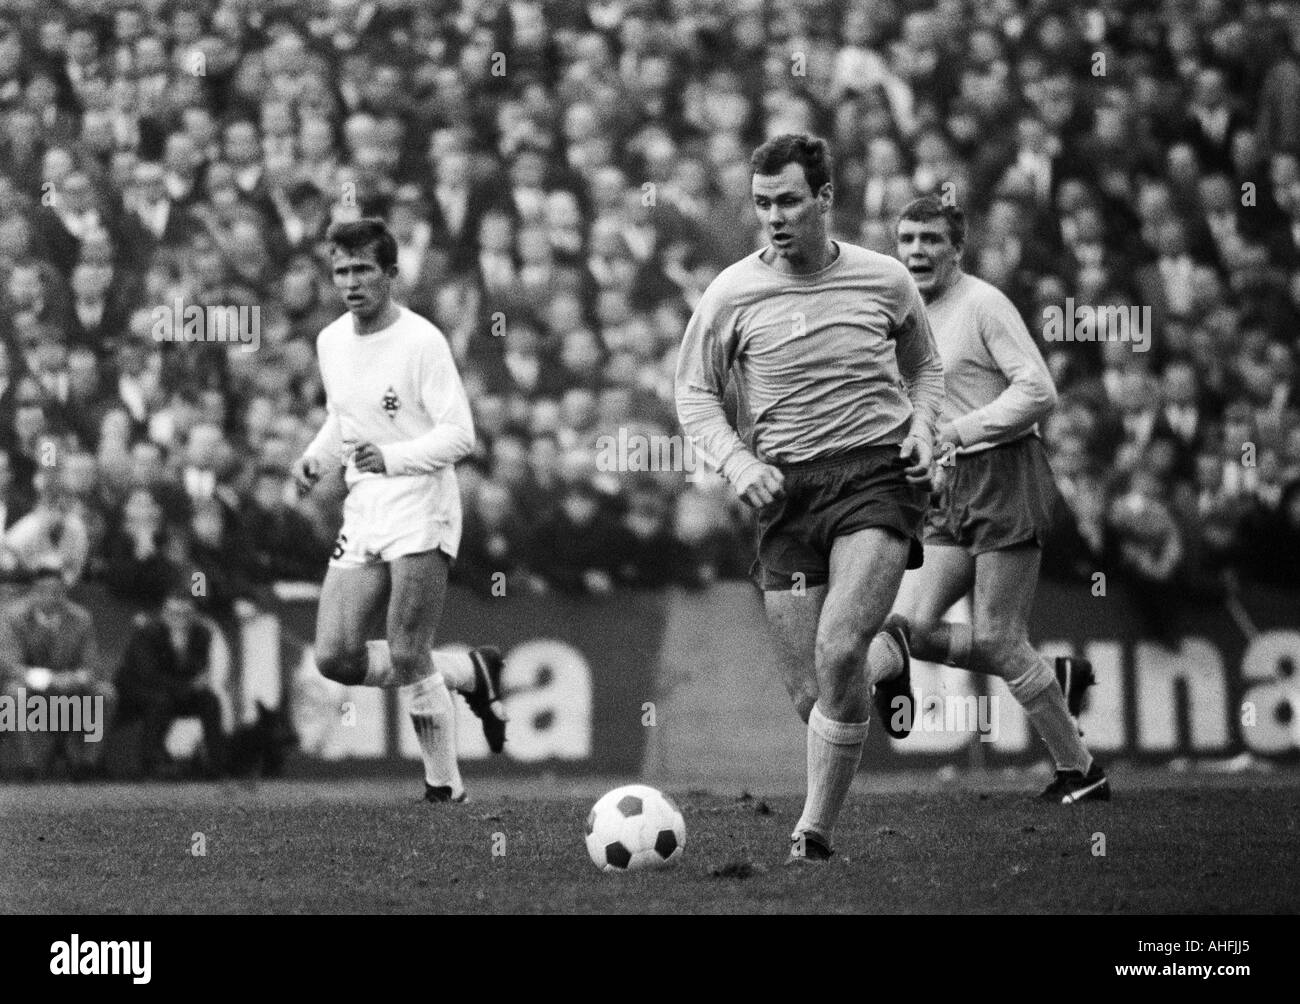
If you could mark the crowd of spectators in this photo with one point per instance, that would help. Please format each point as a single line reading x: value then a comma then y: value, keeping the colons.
x: 564, y: 180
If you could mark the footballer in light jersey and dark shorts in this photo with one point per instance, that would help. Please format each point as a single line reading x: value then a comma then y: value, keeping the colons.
x: 839, y: 382
x: 397, y: 422
x: 993, y: 500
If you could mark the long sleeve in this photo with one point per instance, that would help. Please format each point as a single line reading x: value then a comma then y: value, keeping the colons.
x: 707, y: 351
x: 443, y: 396
x: 1029, y: 396
x: 327, y: 446
x: 920, y: 365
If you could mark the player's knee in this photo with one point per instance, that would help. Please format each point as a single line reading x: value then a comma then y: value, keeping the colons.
x: 839, y: 657
x: 347, y: 666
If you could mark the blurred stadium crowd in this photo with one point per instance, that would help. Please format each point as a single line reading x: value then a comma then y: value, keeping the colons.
x: 564, y: 180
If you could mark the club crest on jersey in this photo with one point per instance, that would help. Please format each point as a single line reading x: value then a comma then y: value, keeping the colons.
x: 390, y: 403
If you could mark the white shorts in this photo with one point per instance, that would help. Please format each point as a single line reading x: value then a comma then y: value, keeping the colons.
x: 384, y: 519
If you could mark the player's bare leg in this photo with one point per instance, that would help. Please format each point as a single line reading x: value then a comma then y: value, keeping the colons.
x: 1005, y: 582
x: 865, y: 570
x: 948, y: 574
x: 996, y: 643
x: 414, y: 610
x: 926, y: 595
x: 349, y: 598
x: 793, y: 618
x: 914, y: 628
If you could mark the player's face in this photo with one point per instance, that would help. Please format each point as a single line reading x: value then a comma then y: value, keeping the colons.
x: 364, y: 286
x: 928, y: 252
x: 792, y: 217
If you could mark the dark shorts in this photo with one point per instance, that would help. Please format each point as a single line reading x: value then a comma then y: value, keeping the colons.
x: 994, y: 499
x: 832, y: 497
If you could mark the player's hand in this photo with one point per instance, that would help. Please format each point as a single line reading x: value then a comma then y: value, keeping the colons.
x: 305, y: 472
x: 761, y: 486
x: 918, y: 451
x: 368, y: 458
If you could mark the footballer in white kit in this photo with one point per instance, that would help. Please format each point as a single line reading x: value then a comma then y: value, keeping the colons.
x: 399, y: 390
x: 397, y: 422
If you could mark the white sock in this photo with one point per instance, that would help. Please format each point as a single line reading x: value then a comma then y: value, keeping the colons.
x: 834, y: 751
x: 379, y: 666
x: 434, y: 718
x: 1039, y: 694
x: 456, y: 669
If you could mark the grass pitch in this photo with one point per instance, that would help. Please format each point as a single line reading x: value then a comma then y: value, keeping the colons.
x: 1178, y: 843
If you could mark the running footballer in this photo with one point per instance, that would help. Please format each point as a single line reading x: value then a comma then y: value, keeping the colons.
x: 397, y: 421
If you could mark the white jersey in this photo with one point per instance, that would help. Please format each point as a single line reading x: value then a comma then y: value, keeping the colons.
x: 399, y: 389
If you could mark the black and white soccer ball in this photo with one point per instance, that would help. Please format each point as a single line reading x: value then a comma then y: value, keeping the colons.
x: 634, y: 827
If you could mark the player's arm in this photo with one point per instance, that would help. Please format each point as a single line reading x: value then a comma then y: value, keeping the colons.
x: 707, y: 351
x: 328, y: 442
x: 922, y: 371
x: 1030, y: 394
x: 452, y: 436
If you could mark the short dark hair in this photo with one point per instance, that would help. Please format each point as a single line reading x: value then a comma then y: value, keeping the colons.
x: 358, y: 236
x: 809, y: 152
x: 931, y: 207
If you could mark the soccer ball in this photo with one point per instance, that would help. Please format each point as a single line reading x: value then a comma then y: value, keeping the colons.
x: 633, y: 827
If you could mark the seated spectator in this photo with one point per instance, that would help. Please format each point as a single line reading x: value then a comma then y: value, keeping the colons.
x: 53, y: 532
x: 164, y: 676
x: 214, y: 555
x: 134, y: 564
x: 48, y: 647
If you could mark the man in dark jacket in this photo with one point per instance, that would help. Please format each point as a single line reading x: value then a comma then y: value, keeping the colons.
x: 164, y: 676
x: 48, y: 653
